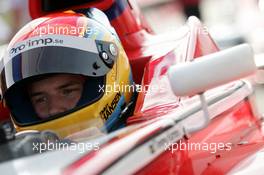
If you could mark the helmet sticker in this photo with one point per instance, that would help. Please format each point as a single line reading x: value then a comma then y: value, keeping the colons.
x: 109, y: 108
x: 80, y: 43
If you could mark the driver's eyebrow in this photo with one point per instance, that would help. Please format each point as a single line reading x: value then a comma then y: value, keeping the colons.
x: 69, y: 84
x: 34, y: 94
x: 66, y: 85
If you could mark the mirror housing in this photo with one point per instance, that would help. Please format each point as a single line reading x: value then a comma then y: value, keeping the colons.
x: 212, y: 70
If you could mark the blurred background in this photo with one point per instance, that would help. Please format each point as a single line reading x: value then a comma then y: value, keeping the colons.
x: 13, y: 15
x: 230, y: 22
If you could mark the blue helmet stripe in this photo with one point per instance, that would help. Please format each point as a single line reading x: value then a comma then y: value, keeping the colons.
x: 16, y: 68
x: 116, y: 9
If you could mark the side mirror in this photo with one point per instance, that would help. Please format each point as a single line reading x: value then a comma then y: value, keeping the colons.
x: 212, y: 70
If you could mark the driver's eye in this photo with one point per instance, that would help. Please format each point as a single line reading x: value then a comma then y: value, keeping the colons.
x: 39, y: 100
x: 67, y: 92
x: 71, y: 91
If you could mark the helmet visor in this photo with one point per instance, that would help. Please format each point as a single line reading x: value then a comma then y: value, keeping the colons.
x: 65, y: 55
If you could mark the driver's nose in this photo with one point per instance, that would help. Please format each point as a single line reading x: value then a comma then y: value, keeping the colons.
x: 56, y: 106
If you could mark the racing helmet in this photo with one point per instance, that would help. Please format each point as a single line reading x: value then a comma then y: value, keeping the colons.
x: 69, y: 43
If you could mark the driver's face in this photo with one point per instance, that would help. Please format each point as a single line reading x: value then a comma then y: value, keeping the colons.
x: 56, y: 94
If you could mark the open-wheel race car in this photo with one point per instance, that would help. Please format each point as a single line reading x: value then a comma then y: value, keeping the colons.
x: 198, y: 109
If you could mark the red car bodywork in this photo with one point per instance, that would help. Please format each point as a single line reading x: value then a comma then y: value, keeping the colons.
x: 4, y: 113
x: 150, y: 57
x: 237, y: 125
